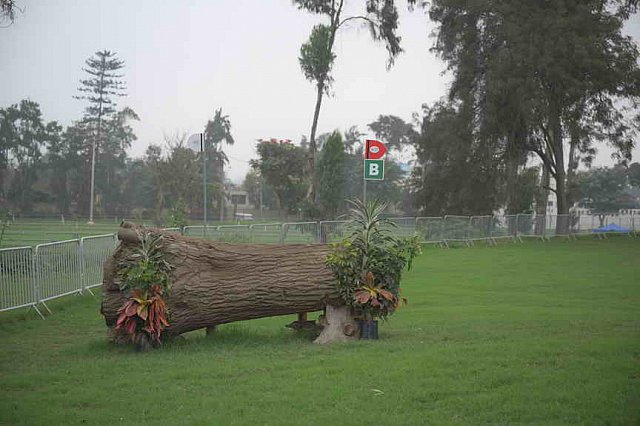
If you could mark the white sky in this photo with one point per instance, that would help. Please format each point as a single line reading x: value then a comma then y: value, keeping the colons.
x: 183, y: 59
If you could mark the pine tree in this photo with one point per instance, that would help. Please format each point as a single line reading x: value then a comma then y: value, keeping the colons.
x: 100, y: 89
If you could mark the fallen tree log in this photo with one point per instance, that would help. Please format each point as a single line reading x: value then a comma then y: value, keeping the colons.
x: 215, y: 283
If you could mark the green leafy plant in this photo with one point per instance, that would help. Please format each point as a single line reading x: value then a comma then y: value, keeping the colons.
x: 369, y: 262
x: 178, y: 214
x: 144, y: 275
x: 145, y: 266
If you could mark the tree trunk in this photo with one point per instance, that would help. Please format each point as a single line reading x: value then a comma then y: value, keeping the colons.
x: 561, y: 174
x: 215, y: 283
x: 311, y: 192
x: 338, y: 326
x: 512, y: 163
x: 542, y: 197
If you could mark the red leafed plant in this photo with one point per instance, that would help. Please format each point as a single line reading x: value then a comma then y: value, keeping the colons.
x: 374, y: 300
x: 145, y: 312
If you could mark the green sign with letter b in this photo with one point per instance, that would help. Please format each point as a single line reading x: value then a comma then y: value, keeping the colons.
x: 374, y: 169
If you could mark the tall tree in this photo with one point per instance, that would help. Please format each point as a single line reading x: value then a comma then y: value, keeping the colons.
x: 352, y: 137
x: 282, y: 166
x: 23, y: 135
x: 100, y: 89
x: 317, y: 54
x: 542, y: 76
x: 217, y: 131
x: 8, y: 12
x: 62, y: 159
x: 455, y: 172
x: 634, y: 175
x: 111, y: 169
x: 603, y: 190
x: 393, y: 131
x: 331, y: 179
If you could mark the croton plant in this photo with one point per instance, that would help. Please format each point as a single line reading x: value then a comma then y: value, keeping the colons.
x: 144, y: 277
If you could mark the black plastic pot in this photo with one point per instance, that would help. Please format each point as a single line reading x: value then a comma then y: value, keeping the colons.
x: 368, y: 329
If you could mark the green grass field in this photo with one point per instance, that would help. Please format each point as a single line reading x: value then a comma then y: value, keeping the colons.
x: 31, y: 232
x: 535, y: 333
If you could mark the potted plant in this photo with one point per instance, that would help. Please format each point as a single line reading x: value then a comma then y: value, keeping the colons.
x: 368, y: 265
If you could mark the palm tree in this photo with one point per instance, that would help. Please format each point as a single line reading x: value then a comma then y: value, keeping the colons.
x: 217, y: 131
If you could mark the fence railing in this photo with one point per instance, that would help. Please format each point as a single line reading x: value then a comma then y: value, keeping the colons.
x: 30, y: 277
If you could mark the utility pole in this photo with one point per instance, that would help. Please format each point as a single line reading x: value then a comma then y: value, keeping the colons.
x: 204, y: 180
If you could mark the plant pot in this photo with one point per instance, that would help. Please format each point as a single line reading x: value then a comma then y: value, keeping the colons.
x: 368, y: 329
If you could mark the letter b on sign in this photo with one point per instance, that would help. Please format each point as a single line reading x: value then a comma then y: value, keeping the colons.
x: 374, y: 169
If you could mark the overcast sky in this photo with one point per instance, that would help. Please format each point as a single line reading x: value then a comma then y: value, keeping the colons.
x: 183, y: 59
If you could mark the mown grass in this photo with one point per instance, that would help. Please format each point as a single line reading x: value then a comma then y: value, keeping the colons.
x: 31, y: 232
x: 536, y: 333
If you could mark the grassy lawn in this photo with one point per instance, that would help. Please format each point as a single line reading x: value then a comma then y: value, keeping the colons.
x: 31, y: 232
x: 542, y: 333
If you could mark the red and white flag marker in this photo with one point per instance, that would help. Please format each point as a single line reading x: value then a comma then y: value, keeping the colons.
x: 374, y: 149
x: 374, y: 152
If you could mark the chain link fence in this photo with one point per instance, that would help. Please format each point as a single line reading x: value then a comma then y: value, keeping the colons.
x: 29, y: 277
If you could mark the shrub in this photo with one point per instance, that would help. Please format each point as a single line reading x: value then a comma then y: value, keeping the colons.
x: 369, y: 262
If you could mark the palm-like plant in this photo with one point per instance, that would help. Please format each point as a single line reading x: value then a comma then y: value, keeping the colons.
x: 217, y: 131
x: 367, y: 226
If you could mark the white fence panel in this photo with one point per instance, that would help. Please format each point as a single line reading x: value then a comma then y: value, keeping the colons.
x: 95, y: 250
x: 199, y: 231
x: 174, y: 229
x: 266, y: 233
x: 480, y: 228
x: 332, y: 231
x: 456, y: 229
x: 233, y: 234
x: 405, y: 226
x: 504, y: 226
x: 586, y: 223
x: 58, y: 268
x: 530, y: 225
x: 430, y: 229
x: 300, y: 233
x: 17, y: 280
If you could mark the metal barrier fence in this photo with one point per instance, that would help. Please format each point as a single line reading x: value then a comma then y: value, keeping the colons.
x: 56, y: 266
x: 456, y: 229
x: 430, y: 230
x: 300, y: 233
x: 332, y: 231
x: 18, y: 285
x: 95, y: 250
x: 29, y: 277
x: 266, y: 233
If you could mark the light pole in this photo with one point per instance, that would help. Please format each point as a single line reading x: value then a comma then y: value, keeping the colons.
x: 195, y: 142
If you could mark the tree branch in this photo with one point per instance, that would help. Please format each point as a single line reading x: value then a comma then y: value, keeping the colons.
x: 364, y: 18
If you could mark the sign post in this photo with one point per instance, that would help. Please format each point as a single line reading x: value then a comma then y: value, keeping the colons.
x: 374, y: 152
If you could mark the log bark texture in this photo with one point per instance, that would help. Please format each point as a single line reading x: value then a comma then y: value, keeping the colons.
x: 215, y: 283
